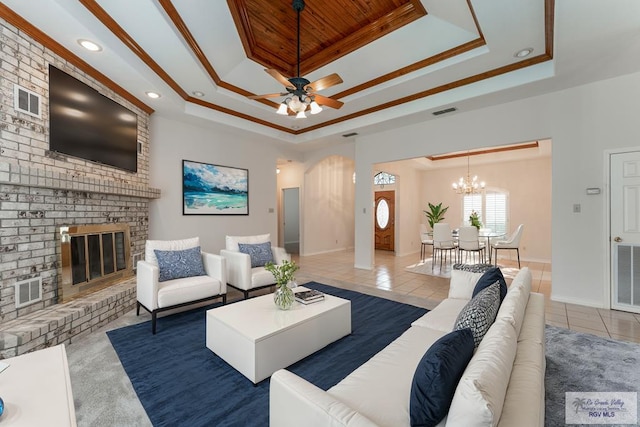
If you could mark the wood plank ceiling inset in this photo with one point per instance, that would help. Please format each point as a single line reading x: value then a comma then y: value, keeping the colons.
x: 328, y: 30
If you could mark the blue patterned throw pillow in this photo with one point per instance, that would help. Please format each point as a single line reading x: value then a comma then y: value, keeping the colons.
x: 480, y: 313
x: 473, y: 268
x: 179, y: 264
x: 260, y: 253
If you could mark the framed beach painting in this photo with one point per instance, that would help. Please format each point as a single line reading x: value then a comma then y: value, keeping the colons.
x: 214, y: 190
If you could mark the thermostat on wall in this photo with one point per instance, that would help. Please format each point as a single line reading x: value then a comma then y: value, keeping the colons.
x: 594, y: 190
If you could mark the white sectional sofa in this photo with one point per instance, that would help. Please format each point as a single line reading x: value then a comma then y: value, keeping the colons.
x: 503, y: 384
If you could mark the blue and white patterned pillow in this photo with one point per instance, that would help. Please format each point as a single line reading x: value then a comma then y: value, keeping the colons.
x: 473, y: 268
x: 260, y: 253
x: 480, y: 313
x: 179, y: 264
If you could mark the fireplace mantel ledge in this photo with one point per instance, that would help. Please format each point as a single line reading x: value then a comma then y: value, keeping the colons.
x: 34, y: 177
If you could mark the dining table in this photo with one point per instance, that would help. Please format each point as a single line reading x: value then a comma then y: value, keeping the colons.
x: 483, y: 233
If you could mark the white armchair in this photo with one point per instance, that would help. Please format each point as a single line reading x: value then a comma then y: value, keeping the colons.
x: 156, y: 295
x: 240, y: 274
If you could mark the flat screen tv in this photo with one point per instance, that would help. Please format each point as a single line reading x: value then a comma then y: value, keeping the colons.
x: 86, y: 124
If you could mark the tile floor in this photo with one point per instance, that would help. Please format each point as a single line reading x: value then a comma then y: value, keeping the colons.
x: 389, y: 275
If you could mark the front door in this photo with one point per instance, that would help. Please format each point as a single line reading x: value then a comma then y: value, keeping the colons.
x: 385, y: 220
x: 625, y: 231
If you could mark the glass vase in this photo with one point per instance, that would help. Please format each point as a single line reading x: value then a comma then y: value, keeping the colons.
x: 283, y: 297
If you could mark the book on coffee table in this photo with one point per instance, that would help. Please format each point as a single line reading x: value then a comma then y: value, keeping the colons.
x: 308, y: 297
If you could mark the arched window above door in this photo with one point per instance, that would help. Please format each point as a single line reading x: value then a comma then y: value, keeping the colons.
x: 384, y: 178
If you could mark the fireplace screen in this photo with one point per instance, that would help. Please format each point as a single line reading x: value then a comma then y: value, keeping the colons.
x: 93, y: 255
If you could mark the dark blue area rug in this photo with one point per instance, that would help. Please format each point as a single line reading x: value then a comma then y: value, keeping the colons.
x: 180, y: 382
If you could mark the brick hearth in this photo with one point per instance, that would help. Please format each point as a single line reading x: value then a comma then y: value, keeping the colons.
x: 68, y: 322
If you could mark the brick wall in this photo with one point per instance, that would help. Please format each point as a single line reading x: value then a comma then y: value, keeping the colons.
x: 40, y: 191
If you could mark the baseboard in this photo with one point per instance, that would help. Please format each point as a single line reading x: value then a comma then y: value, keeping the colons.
x: 325, y: 252
x: 576, y: 301
x: 515, y: 259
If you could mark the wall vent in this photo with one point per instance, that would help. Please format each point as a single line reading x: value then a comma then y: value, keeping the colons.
x: 26, y: 101
x: 445, y: 111
x: 28, y: 291
x: 347, y: 135
x: 139, y: 256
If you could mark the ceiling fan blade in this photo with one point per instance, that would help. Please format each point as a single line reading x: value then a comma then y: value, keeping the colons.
x: 268, y: 95
x: 279, y: 77
x: 323, y: 83
x: 329, y: 102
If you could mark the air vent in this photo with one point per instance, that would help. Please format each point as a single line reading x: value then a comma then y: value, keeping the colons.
x: 445, y: 111
x: 28, y: 291
x: 347, y: 135
x: 26, y: 101
x: 139, y: 256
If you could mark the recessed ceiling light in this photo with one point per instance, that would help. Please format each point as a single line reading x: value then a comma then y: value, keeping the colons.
x: 523, y: 52
x: 197, y: 93
x: 89, y: 45
x: 153, y: 95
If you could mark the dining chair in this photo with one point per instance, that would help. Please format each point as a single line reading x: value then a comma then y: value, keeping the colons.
x: 442, y: 242
x: 425, y: 239
x: 469, y: 241
x: 512, y: 243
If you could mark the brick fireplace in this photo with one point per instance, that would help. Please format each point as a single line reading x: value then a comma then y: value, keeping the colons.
x: 33, y: 215
x: 42, y: 191
x: 93, y: 257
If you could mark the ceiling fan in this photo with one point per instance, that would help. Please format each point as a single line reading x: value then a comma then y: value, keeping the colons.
x: 300, y: 92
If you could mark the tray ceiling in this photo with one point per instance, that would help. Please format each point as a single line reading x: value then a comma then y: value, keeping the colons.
x: 398, y: 58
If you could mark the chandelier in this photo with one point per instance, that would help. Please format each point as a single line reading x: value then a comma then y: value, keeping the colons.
x: 468, y: 185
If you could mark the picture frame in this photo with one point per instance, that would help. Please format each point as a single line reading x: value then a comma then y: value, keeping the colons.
x: 210, y: 189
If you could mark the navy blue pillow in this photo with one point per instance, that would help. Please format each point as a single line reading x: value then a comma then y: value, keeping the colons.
x: 489, y: 278
x: 437, y: 377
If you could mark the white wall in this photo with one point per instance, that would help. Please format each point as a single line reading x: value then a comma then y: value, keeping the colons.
x: 582, y: 122
x: 328, y: 222
x: 174, y: 141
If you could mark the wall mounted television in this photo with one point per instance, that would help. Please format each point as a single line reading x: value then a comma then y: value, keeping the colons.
x: 86, y: 124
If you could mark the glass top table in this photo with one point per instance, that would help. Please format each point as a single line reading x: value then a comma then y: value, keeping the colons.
x: 487, y: 234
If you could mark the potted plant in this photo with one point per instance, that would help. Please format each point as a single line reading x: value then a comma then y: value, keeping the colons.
x: 435, y: 214
x: 474, y: 220
x: 283, y: 296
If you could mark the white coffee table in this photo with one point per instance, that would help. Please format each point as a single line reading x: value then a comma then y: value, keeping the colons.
x: 257, y: 338
x: 36, y: 390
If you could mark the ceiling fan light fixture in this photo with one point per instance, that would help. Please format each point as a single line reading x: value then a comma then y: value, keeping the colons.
x: 282, y: 109
x: 301, y: 90
x: 295, y: 104
x: 315, y: 108
x: 301, y: 115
